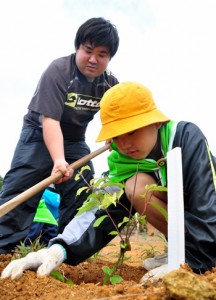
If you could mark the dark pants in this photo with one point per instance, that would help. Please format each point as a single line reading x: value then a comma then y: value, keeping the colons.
x: 43, y: 230
x: 31, y: 164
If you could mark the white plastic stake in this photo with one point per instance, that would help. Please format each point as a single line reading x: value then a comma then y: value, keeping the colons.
x: 176, y: 236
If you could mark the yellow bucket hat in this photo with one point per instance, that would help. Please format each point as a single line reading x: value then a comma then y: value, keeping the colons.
x: 125, y: 107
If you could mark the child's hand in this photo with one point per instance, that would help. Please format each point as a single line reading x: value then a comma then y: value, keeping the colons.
x: 44, y: 261
x: 109, y: 142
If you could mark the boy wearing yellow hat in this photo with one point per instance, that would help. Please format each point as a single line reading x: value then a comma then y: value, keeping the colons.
x: 141, y: 136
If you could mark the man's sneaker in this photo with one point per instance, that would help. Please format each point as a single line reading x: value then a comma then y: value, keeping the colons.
x: 154, y: 262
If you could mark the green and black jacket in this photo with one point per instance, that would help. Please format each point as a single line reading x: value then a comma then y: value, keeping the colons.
x: 82, y: 240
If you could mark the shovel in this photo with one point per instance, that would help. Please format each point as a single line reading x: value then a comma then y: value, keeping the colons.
x: 11, y: 204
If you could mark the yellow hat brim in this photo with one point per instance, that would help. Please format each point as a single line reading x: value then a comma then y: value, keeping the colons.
x: 122, y: 126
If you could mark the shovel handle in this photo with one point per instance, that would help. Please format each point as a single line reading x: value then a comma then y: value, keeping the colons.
x: 11, y: 204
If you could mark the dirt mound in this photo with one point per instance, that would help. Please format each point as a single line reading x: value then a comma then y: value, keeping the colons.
x: 88, y: 277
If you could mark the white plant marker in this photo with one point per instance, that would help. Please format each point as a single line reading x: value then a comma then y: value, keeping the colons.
x: 176, y: 236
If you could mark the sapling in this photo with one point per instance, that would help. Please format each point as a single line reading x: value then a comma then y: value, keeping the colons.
x: 102, y: 196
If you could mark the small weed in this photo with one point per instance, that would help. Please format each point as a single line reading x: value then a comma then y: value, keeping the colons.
x: 150, y: 252
x: 60, y: 277
x: 22, y: 250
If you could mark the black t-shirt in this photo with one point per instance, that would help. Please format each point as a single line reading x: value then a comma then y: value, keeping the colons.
x: 65, y: 95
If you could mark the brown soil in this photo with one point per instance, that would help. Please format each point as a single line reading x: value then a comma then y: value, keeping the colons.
x: 88, y: 278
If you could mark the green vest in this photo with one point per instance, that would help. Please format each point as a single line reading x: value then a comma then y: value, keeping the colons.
x: 44, y: 215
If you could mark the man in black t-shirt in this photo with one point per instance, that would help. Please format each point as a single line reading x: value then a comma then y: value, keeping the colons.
x: 53, y: 134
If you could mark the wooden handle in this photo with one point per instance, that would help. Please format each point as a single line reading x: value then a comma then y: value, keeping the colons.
x: 11, y: 204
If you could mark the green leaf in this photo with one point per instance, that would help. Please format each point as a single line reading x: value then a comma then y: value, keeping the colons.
x: 110, y: 183
x: 57, y: 275
x: 115, y: 279
x: 107, y: 270
x: 92, y: 181
x: 98, y: 182
x: 113, y: 232
x: 88, y: 206
x: 125, y: 220
x: 108, y: 200
x: 85, y: 168
x: 99, y: 221
x: 69, y: 282
x: 160, y: 209
x: 80, y: 190
x: 123, y: 246
x: 155, y: 187
x: 77, y: 177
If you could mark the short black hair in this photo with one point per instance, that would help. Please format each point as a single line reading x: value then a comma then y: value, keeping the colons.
x: 99, y: 32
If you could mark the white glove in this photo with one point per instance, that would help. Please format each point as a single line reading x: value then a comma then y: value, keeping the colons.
x: 44, y: 261
x: 155, y: 274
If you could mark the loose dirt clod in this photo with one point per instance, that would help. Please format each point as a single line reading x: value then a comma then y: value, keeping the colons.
x: 183, y: 284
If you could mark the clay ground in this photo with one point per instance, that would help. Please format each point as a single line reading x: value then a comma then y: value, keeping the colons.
x: 88, y: 277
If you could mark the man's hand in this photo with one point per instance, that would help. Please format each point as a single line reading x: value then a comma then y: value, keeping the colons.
x: 44, y: 261
x: 155, y: 274
x: 62, y: 166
